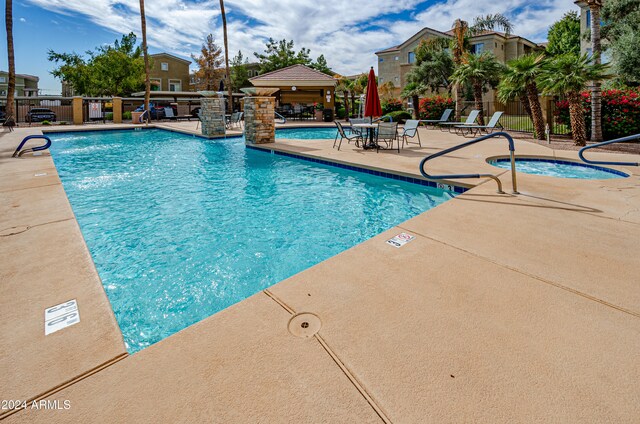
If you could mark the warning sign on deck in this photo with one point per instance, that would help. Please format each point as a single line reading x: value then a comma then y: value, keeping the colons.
x: 400, y: 240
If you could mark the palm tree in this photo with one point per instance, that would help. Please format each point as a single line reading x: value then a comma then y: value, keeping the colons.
x: 11, y: 83
x: 147, y: 81
x: 523, y: 72
x: 344, y: 87
x: 596, y: 88
x: 414, y: 90
x: 460, y: 43
x: 479, y: 70
x: 567, y: 75
x: 508, y: 91
x: 226, y: 55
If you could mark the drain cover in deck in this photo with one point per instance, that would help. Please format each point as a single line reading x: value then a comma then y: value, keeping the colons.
x: 304, y: 325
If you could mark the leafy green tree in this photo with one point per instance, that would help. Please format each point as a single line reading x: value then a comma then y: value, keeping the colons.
x: 115, y: 70
x: 209, y: 63
x: 239, y: 72
x: 321, y: 65
x: 622, y: 33
x: 564, y: 35
x: 567, y: 75
x: 280, y: 54
x: 479, y: 71
x: 523, y: 72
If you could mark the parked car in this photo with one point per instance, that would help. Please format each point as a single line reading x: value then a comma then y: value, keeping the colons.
x: 39, y: 114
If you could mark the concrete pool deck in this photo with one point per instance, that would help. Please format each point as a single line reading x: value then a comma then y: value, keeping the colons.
x: 504, y: 308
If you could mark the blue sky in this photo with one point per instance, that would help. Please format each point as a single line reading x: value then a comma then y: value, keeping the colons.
x: 347, y: 32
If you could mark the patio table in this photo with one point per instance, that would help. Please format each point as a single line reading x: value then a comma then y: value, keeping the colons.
x: 370, y: 130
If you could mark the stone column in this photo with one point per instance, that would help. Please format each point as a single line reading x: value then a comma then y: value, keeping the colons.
x: 78, y: 117
x: 212, y: 116
x: 117, y: 110
x: 259, y: 124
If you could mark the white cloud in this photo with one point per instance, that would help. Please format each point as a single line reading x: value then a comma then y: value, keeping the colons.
x: 23, y: 20
x: 347, y: 32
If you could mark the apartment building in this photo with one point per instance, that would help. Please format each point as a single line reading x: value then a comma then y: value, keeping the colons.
x: 395, y: 63
x: 26, y: 85
x: 169, y: 73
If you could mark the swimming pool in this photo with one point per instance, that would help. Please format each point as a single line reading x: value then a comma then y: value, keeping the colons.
x: 559, y: 168
x: 181, y: 227
x: 307, y: 133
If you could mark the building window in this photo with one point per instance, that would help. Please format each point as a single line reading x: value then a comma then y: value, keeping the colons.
x: 164, y: 66
x: 477, y: 48
x: 588, y: 19
x: 396, y: 58
x: 589, y: 52
x: 411, y: 57
x: 3, y: 79
x: 396, y: 79
x: 3, y: 93
x: 380, y: 79
x: 496, y: 45
x: 175, y: 85
x: 380, y: 60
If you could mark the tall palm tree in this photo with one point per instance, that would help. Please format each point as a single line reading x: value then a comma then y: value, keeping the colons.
x: 147, y: 81
x: 226, y: 55
x: 523, y: 72
x: 479, y: 70
x: 344, y: 87
x: 568, y: 75
x: 596, y: 87
x: 11, y: 83
x: 460, y: 43
x: 509, y: 91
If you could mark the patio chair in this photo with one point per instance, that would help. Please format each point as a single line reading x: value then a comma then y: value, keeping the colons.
x: 228, y: 122
x: 238, y: 121
x: 9, y: 122
x: 359, y: 131
x: 343, y: 135
x: 471, y: 119
x: 475, y: 129
x: 168, y: 114
x: 444, y: 118
x: 410, y: 130
x: 387, y: 132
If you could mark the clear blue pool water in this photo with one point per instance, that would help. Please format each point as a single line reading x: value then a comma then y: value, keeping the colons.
x: 181, y: 227
x: 562, y: 169
x: 308, y: 133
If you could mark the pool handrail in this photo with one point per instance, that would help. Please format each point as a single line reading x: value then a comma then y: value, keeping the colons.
x: 604, y: 143
x: 18, y: 152
x: 512, y: 151
x: 284, y: 120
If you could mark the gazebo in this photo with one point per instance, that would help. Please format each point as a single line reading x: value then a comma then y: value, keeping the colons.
x: 299, y: 86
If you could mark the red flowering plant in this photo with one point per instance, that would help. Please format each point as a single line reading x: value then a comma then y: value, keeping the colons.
x: 391, y: 105
x: 433, y: 107
x: 620, y: 112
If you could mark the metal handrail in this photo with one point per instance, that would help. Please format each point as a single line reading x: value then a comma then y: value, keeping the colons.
x: 512, y: 151
x: 604, y: 143
x: 19, y: 153
x: 284, y: 120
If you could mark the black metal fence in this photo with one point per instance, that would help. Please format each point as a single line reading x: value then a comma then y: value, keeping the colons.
x: 41, y: 110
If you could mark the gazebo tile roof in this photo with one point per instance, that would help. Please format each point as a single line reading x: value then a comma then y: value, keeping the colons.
x: 293, y: 73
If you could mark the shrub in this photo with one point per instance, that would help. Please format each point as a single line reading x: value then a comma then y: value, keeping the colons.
x: 399, y: 116
x: 341, y: 113
x: 108, y: 116
x: 45, y: 122
x: 63, y: 123
x: 433, y: 107
x: 392, y: 105
x: 620, y: 113
x: 126, y: 115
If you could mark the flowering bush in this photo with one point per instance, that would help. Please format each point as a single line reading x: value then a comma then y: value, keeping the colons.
x: 433, y: 107
x: 620, y: 112
x: 391, y: 106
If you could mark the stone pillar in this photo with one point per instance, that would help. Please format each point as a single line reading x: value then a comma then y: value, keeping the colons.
x: 78, y: 118
x: 117, y: 110
x: 212, y: 116
x: 259, y: 124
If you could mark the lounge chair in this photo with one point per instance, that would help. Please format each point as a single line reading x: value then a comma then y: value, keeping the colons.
x: 343, y: 135
x: 168, y: 114
x: 475, y: 129
x: 471, y: 119
x: 228, y: 122
x: 387, y: 132
x: 410, y: 130
x: 444, y: 118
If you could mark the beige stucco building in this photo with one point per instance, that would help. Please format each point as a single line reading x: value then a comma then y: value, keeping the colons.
x: 169, y: 73
x: 395, y: 63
